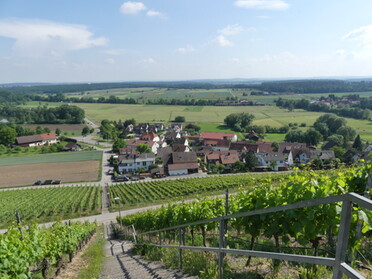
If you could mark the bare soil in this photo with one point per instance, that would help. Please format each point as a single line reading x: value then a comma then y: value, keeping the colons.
x: 17, y: 175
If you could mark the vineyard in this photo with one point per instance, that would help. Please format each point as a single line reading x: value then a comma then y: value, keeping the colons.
x: 49, y: 204
x: 40, y: 251
x: 141, y: 193
x: 309, y: 231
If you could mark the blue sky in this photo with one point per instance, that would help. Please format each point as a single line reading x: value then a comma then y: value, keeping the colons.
x: 96, y: 40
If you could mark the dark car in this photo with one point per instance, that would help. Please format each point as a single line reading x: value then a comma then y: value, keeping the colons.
x: 121, y: 178
x: 38, y: 182
x: 47, y: 182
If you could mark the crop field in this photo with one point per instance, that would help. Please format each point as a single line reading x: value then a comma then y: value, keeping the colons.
x: 52, y: 158
x: 143, y: 193
x: 155, y: 93
x: 27, y: 174
x: 49, y: 204
x: 67, y: 167
x: 211, y: 117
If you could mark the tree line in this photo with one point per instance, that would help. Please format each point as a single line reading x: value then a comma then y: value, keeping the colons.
x: 314, y: 86
x: 352, y: 112
x: 63, y: 114
x: 295, y: 86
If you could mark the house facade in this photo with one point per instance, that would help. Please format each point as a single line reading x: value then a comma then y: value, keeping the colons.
x: 131, y: 163
x: 275, y: 160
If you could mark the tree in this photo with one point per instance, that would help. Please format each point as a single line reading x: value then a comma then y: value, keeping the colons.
x: 143, y: 148
x: 179, y: 119
x: 358, y: 143
x: 251, y: 161
x: 337, y: 139
x: 7, y: 136
x: 39, y: 130
x: 239, y: 121
x: 294, y: 136
x: 119, y: 143
x: 275, y: 146
x: 58, y: 131
x: 312, y: 137
x: 347, y: 132
x: 85, y: 131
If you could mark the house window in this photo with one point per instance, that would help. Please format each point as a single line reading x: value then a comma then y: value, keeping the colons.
x: 138, y: 163
x: 144, y: 164
x: 125, y: 164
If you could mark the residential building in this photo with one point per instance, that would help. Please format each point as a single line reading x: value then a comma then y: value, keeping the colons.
x: 182, y: 163
x: 275, y: 160
x: 131, y: 163
x: 219, y: 136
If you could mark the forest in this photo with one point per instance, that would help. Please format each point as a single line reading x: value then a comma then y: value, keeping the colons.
x: 294, y: 86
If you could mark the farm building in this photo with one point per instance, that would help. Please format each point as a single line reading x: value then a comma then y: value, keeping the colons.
x: 37, y: 140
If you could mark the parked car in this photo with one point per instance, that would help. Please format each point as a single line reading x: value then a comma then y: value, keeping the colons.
x: 47, y: 182
x: 38, y: 182
x: 134, y: 178
x: 121, y: 178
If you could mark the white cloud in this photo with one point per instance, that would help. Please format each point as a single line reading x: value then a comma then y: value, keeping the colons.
x: 363, y: 35
x: 36, y: 37
x: 263, y: 17
x: 110, y: 61
x: 153, y: 13
x: 222, y: 41
x: 231, y: 30
x: 186, y: 49
x: 235, y: 60
x: 262, y: 4
x: 132, y: 7
x: 115, y: 52
x: 147, y: 61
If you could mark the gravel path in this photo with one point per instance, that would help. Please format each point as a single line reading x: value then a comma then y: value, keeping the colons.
x: 120, y: 263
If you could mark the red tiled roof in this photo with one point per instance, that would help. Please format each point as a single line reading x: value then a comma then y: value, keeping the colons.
x: 49, y: 136
x: 215, y: 135
x: 150, y: 135
x: 229, y: 159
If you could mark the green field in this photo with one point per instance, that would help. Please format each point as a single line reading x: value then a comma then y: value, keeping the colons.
x: 155, y: 93
x: 53, y: 158
x: 211, y: 117
x: 203, y: 94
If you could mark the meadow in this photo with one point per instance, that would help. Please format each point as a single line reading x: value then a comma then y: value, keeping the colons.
x: 156, y: 93
x: 203, y: 94
x: 210, y: 118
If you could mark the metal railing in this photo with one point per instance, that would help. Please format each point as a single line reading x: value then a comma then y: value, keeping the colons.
x: 338, y: 263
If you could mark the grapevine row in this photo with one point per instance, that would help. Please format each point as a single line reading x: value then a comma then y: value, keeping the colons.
x: 22, y: 251
x: 48, y: 204
x: 306, y: 226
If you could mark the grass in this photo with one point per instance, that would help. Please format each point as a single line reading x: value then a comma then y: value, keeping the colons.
x: 54, y: 157
x: 93, y: 257
x: 212, y: 115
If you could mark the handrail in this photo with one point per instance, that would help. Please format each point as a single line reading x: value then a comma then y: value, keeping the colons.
x: 338, y: 263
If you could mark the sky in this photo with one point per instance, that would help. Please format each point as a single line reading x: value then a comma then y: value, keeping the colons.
x: 152, y: 40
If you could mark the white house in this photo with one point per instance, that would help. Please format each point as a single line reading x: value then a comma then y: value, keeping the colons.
x: 274, y: 159
x: 131, y: 163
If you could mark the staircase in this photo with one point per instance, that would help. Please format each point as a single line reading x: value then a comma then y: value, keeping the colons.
x: 120, y: 263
